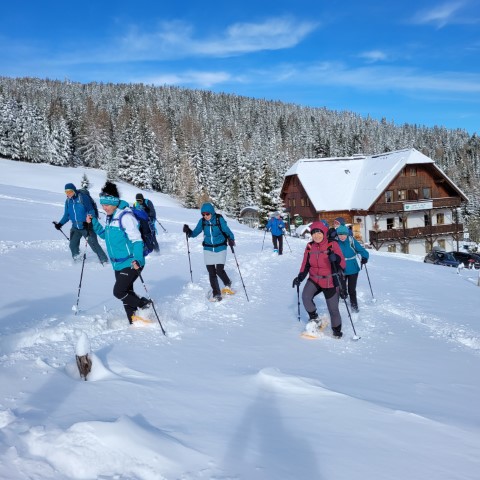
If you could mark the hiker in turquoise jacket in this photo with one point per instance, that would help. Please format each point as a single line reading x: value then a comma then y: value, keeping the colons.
x: 216, y: 237
x: 124, y: 247
x: 351, y: 248
x: 77, y: 207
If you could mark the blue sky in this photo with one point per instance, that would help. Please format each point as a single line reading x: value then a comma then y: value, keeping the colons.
x: 408, y: 61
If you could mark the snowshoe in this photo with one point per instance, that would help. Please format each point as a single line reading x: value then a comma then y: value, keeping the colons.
x: 227, y: 291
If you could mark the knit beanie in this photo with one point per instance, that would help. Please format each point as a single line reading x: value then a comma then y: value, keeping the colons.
x: 70, y: 186
x: 139, y: 197
x: 109, y: 194
x: 342, y: 230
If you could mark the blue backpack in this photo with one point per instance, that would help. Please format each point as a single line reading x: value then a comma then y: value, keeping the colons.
x: 144, y: 227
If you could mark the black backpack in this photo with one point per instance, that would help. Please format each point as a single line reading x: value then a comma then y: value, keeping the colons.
x: 84, y: 191
x: 217, y: 224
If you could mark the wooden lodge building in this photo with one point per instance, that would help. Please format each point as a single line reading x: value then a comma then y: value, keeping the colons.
x: 397, y: 201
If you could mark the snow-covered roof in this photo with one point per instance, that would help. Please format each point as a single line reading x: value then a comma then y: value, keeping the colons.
x: 352, y: 183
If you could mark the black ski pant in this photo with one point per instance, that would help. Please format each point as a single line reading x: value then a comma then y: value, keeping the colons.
x: 123, y: 290
x: 277, y: 241
x: 311, y: 290
x: 349, y: 284
x: 76, y: 235
x: 215, y: 271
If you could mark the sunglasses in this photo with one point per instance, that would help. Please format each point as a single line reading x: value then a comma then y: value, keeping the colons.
x: 206, y: 214
x: 69, y: 191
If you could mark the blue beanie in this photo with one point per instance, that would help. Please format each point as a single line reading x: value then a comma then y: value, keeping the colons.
x: 109, y: 200
x: 342, y: 230
x: 70, y: 186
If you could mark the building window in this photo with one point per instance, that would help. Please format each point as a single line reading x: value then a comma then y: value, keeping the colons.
x: 427, y: 192
x: 293, y: 202
x: 402, y: 194
x: 413, y: 171
x: 440, y: 218
x: 302, y: 202
x: 307, y: 201
x: 403, y: 172
x: 427, y: 220
x: 390, y: 223
x: 392, y: 248
x: 413, y: 194
x: 388, y: 196
x: 441, y: 244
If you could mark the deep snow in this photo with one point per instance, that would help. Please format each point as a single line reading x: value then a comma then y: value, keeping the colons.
x: 232, y: 391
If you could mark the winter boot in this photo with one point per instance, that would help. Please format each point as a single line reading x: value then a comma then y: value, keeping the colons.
x: 227, y: 290
x: 145, y: 302
x: 337, y: 332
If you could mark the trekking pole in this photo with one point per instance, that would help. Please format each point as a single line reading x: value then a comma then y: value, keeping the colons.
x: 189, y: 262
x: 368, y: 278
x: 298, y: 300
x: 81, y: 275
x: 285, y: 237
x: 55, y: 223
x: 263, y: 243
x: 340, y: 286
x: 164, y: 229
x: 153, y: 305
x: 240, y: 273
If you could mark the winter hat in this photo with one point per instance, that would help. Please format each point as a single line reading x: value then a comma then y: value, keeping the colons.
x: 207, y: 208
x: 139, y: 197
x: 342, y: 230
x: 339, y: 220
x: 109, y: 194
x: 318, y: 226
x: 70, y: 186
x: 325, y: 223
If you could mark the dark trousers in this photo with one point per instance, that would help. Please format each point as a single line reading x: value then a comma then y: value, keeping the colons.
x: 277, y: 241
x: 311, y: 290
x: 75, y: 237
x: 123, y: 290
x: 349, y: 283
x: 215, y: 271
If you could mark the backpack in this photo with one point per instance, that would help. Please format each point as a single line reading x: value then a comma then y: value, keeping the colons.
x: 84, y: 191
x: 143, y: 226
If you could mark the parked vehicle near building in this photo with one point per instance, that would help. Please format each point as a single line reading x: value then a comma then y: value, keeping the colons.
x: 440, y: 257
x: 468, y: 259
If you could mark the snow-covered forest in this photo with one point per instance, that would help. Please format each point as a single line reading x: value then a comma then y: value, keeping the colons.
x: 195, y: 144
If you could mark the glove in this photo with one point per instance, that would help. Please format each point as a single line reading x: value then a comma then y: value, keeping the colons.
x: 187, y: 230
x: 332, y: 234
x: 296, y: 282
x: 343, y: 294
x: 58, y: 226
x: 364, y: 260
x: 231, y: 242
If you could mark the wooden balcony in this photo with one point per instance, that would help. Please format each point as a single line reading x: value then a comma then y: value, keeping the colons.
x: 397, y: 234
x: 393, y: 207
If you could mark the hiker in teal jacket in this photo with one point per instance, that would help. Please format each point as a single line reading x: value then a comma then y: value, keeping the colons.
x: 77, y: 207
x: 124, y: 247
x: 351, y: 248
x: 216, y: 237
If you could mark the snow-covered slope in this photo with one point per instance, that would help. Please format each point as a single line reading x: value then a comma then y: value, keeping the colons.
x: 232, y: 391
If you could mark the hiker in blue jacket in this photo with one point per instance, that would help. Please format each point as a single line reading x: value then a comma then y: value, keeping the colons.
x: 147, y: 205
x: 276, y: 226
x: 77, y: 207
x: 216, y: 237
x: 124, y: 247
x: 351, y: 248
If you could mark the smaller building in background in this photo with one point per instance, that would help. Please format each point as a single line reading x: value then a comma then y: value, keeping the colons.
x: 250, y: 216
x: 396, y: 201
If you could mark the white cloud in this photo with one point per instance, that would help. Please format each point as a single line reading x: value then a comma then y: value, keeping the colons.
x: 440, y: 15
x: 177, y: 39
x: 196, y: 79
x: 373, y: 56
